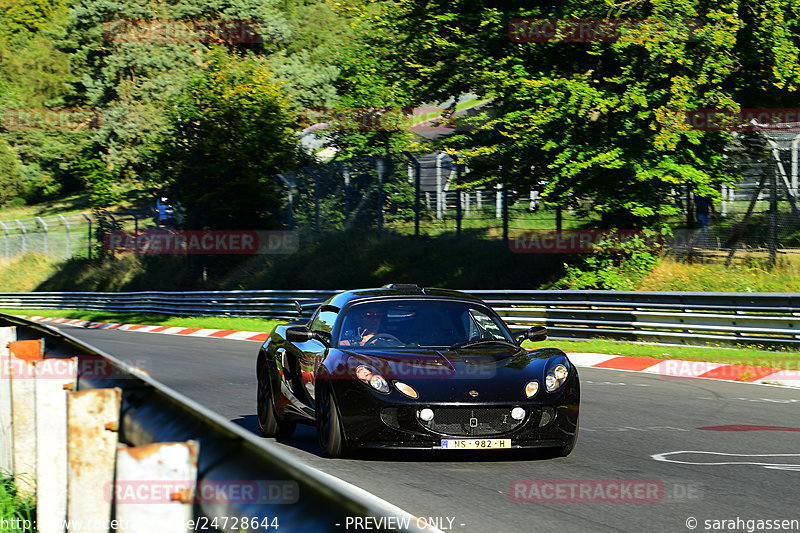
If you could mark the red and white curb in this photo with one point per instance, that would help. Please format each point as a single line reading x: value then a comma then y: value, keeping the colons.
x: 674, y: 368
x: 169, y: 330
x: 677, y: 368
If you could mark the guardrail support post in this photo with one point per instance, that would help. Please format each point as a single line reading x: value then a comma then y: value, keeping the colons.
x: 7, y: 335
x: 92, y: 438
x: 156, y: 466
x: 54, y: 376
x: 22, y: 357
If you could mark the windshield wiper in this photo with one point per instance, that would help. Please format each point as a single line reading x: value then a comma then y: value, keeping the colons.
x: 475, y: 342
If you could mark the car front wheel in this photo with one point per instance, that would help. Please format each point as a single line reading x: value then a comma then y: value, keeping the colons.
x: 329, y: 425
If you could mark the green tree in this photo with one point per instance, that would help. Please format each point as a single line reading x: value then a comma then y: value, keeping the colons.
x: 10, y: 176
x: 592, y: 119
x: 232, y: 134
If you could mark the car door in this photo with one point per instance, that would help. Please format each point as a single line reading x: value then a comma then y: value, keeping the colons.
x: 310, y: 353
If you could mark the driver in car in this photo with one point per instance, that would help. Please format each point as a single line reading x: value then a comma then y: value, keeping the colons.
x: 367, y: 324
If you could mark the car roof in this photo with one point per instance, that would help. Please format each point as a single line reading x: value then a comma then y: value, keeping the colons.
x: 394, y: 290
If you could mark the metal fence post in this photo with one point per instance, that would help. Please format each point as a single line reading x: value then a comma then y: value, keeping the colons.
x: 417, y: 171
x: 380, y: 165
x: 773, y: 214
x: 88, y: 235
x: 44, y: 226
x: 5, y: 229
x: 114, y: 226
x: 505, y: 216
x: 459, y: 194
x: 346, y: 177
x: 24, y: 237
x: 290, y: 202
x: 66, y: 226
x: 439, y: 186
x: 316, y: 196
x: 136, y: 230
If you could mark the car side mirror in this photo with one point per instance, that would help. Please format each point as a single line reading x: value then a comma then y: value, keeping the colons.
x: 303, y: 334
x: 299, y: 334
x: 535, y: 334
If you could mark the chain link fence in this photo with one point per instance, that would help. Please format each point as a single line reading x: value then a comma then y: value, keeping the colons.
x: 412, y: 193
x: 60, y: 236
x: 67, y: 236
x: 757, y: 215
x: 421, y: 193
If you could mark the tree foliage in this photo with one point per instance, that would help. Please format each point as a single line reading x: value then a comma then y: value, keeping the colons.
x: 230, y: 137
x: 593, y: 119
x: 10, y: 176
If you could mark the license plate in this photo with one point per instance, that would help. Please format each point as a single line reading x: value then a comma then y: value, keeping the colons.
x: 475, y: 444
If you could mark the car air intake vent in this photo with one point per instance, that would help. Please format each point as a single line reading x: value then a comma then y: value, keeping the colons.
x: 473, y: 422
x: 403, y: 287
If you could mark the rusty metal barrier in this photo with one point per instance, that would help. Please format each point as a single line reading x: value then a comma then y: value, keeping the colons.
x: 104, y: 447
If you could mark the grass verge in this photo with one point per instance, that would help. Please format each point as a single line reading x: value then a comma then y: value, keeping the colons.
x: 17, y: 513
x: 209, y: 322
x: 787, y: 359
x: 719, y: 354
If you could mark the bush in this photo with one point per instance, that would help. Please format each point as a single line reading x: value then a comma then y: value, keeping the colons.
x: 614, y: 265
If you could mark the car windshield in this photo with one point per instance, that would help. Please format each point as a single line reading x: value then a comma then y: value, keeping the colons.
x: 419, y: 323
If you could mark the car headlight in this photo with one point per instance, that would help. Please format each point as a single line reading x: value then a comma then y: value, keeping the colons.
x: 556, y: 377
x: 372, y: 378
x: 531, y: 388
x: 408, y: 390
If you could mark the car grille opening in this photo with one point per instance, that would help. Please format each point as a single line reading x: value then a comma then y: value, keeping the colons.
x: 475, y: 422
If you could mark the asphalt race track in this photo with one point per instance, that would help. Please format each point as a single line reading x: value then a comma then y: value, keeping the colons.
x: 723, y: 451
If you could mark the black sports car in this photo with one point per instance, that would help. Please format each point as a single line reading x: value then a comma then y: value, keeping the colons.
x: 413, y: 368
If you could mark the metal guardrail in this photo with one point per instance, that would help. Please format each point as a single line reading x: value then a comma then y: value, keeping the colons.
x: 676, y: 317
x: 103, y: 401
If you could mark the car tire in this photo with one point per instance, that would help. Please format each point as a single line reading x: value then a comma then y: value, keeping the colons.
x: 268, y: 422
x: 329, y: 424
x: 566, y: 450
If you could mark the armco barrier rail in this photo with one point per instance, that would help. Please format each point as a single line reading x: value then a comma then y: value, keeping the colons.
x: 677, y: 317
x: 76, y: 423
